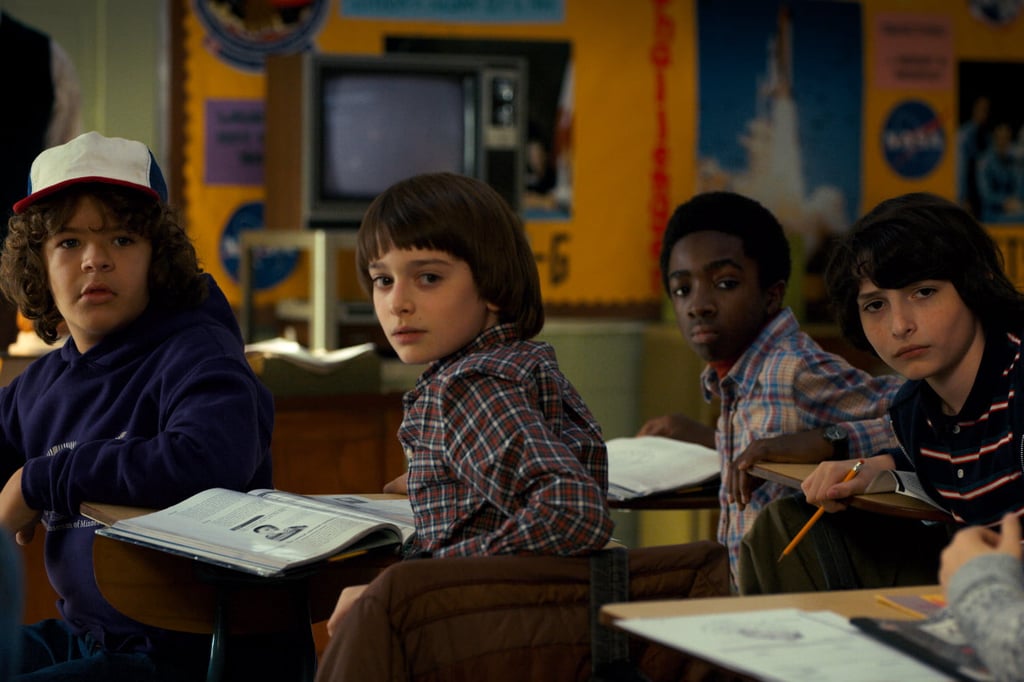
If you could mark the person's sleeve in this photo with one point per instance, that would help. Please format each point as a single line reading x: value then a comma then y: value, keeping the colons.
x: 833, y: 392
x: 986, y: 597
x: 503, y: 449
x: 209, y: 436
x: 11, y: 455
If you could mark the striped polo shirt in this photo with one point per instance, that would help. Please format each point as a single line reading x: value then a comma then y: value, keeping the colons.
x: 971, y: 463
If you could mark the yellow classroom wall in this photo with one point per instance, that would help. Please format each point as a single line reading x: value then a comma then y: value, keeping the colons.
x: 614, y: 136
x: 634, y: 132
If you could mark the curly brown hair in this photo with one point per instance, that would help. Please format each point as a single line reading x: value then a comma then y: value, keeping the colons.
x: 175, y: 276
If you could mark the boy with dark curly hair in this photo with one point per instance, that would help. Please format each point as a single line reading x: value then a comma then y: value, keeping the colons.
x: 150, y: 399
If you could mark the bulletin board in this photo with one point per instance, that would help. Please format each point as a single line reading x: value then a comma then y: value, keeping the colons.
x: 657, y: 111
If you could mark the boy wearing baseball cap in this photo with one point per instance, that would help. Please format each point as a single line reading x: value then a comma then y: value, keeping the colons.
x: 149, y: 400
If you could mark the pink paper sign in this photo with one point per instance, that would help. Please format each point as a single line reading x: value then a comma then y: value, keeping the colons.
x: 913, y: 51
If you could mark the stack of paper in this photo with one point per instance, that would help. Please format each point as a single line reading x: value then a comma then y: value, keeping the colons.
x: 646, y: 465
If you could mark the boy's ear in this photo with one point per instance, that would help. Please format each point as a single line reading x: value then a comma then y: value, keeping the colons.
x: 774, y: 296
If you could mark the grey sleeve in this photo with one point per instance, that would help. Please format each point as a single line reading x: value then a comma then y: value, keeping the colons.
x: 986, y: 597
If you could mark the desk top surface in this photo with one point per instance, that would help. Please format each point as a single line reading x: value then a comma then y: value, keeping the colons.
x: 847, y: 603
x: 892, y: 504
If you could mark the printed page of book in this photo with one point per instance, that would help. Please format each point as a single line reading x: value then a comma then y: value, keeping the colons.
x: 395, y: 509
x: 251, y: 533
x: 645, y: 465
x: 902, y: 482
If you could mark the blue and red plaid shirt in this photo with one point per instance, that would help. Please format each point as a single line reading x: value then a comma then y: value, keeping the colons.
x: 783, y: 383
x: 504, y: 456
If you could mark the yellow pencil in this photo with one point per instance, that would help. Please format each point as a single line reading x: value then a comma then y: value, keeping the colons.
x: 817, y: 515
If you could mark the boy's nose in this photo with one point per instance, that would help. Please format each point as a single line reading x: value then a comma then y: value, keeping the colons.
x: 96, y: 258
x: 901, y: 323
x: 400, y: 303
x: 700, y: 305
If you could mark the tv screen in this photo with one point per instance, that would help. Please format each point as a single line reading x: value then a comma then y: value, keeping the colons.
x: 381, y: 127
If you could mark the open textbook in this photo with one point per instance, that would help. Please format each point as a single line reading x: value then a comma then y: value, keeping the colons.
x: 647, y: 465
x: 268, y: 532
x: 902, y: 482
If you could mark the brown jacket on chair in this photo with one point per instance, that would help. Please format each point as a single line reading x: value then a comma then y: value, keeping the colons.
x: 508, y: 618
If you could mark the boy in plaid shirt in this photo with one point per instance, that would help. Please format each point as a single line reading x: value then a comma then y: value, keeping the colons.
x: 725, y: 264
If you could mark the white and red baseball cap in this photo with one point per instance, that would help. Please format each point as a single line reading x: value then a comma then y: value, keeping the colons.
x: 91, y: 157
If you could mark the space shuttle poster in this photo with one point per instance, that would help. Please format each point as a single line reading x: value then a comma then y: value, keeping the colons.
x: 780, y: 101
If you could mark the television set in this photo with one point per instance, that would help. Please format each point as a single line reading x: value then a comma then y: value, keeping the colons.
x: 342, y: 128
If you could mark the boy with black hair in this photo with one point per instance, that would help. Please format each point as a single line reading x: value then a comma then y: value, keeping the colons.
x: 725, y: 263
x: 920, y: 283
x: 150, y: 399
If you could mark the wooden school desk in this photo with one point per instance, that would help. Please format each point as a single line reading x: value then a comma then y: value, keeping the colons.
x: 847, y: 603
x: 177, y: 593
x: 892, y: 504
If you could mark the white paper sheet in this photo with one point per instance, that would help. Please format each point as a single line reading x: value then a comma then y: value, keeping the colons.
x: 789, y: 645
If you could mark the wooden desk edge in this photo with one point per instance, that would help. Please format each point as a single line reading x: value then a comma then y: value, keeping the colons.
x: 847, y: 603
x: 108, y: 514
x: 891, y: 504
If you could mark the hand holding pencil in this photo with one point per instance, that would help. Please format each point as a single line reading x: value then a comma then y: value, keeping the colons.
x: 817, y: 515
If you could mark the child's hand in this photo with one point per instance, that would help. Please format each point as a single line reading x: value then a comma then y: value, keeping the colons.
x: 825, y: 486
x: 679, y: 427
x: 15, y: 515
x: 398, y: 486
x: 805, y: 446
x: 976, y: 541
x: 346, y: 599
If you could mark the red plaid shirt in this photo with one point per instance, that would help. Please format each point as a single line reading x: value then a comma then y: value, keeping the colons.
x: 504, y: 456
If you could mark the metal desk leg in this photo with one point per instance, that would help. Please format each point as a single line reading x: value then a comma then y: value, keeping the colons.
x: 301, y: 634
x: 304, y: 643
x: 218, y: 643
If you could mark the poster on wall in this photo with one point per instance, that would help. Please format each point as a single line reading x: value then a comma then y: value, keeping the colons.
x: 500, y: 11
x: 996, y: 12
x: 244, y: 33
x: 780, y: 116
x: 990, y: 141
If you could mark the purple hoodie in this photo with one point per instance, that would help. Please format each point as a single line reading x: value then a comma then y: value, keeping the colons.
x: 154, y: 413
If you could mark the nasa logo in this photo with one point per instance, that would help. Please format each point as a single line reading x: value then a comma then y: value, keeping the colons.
x: 913, y: 141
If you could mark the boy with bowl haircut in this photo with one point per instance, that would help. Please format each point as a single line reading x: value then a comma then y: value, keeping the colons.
x: 725, y: 263
x: 149, y: 400
x: 504, y: 456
